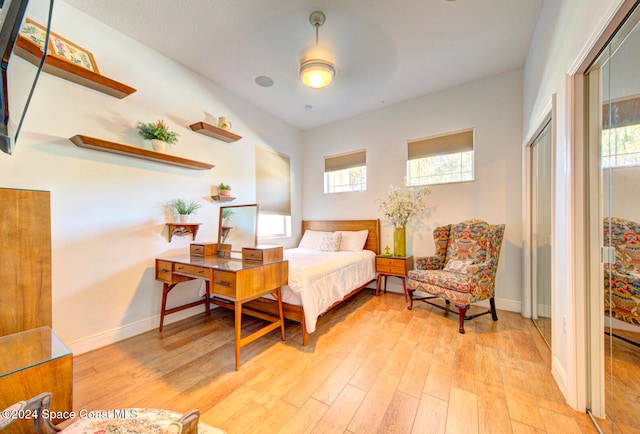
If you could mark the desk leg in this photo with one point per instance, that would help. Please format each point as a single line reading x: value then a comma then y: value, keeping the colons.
x: 238, y: 326
x: 166, y: 287
x: 207, y: 294
x: 278, y: 295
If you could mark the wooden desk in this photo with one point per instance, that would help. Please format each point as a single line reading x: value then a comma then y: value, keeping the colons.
x: 232, y: 282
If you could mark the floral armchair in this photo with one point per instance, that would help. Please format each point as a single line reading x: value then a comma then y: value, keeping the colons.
x: 463, y: 270
x: 623, y: 276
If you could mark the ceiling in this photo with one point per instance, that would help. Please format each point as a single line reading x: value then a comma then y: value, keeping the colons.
x: 385, y: 51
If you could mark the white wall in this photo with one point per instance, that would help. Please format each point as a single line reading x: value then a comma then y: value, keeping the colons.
x: 493, y: 107
x: 108, y: 214
x: 566, y: 31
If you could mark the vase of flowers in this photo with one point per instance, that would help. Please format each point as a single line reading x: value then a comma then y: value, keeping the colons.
x: 398, y: 209
x: 159, y: 134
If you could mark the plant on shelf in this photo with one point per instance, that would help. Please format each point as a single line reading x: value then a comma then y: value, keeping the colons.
x: 224, y: 189
x: 184, y: 208
x: 224, y: 227
x: 157, y: 132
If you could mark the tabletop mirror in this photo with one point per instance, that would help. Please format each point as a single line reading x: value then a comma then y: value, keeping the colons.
x: 238, y: 226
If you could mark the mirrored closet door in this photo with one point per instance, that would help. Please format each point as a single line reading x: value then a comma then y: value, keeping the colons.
x: 614, y: 132
x: 541, y: 232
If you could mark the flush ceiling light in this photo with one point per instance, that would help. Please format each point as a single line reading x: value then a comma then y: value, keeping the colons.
x: 316, y: 62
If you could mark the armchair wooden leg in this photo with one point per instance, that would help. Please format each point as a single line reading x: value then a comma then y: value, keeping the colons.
x: 462, y: 311
x: 410, y: 307
x: 494, y: 314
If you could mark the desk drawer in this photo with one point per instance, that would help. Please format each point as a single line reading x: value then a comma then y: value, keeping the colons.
x: 252, y: 255
x: 224, y: 283
x: 191, y: 270
x: 163, y: 271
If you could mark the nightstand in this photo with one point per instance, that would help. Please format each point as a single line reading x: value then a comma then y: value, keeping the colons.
x: 393, y: 266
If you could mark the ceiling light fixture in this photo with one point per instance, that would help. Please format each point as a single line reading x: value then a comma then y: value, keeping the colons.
x: 316, y: 62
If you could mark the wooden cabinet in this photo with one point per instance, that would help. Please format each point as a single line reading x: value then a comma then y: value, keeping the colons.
x: 397, y: 266
x: 32, y: 362
x: 25, y: 255
x: 32, y: 358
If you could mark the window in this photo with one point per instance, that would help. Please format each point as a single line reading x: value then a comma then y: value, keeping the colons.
x: 441, y: 159
x: 345, y: 172
x: 621, y: 133
x: 273, y: 193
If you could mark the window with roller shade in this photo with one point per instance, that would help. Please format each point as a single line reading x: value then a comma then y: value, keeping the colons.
x: 441, y: 159
x: 621, y: 133
x: 273, y: 193
x: 345, y: 172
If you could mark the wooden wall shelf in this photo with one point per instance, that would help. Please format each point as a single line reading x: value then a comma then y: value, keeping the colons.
x: 215, y: 132
x: 183, y: 229
x: 29, y: 51
x: 134, y: 151
x: 223, y: 198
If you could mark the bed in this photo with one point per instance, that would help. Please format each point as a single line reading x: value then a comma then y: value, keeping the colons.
x: 320, y: 280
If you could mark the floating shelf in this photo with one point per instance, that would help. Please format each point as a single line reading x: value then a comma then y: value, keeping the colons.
x: 134, y: 151
x: 183, y: 229
x: 215, y: 132
x: 223, y: 198
x: 30, y: 51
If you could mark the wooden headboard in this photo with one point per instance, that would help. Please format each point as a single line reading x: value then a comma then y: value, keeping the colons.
x: 373, y: 226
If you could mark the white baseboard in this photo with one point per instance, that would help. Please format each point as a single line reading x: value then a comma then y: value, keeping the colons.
x: 560, y: 375
x: 129, y: 330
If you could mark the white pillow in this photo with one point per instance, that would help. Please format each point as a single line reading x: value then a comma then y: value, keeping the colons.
x: 353, y: 241
x: 461, y: 267
x: 311, y: 239
x: 330, y: 242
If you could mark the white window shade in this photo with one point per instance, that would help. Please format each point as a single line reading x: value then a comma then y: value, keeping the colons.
x: 273, y: 182
x: 450, y: 143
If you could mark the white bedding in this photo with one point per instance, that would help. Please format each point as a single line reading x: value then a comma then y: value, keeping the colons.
x: 317, y: 279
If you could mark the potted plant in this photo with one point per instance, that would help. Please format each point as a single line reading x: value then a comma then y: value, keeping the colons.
x: 158, y: 133
x: 184, y: 208
x: 224, y: 189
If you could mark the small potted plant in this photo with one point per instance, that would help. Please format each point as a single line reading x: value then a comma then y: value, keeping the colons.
x: 158, y: 133
x: 184, y: 208
x: 224, y: 189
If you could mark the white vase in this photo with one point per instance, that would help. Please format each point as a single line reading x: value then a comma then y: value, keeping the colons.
x: 184, y: 218
x: 158, y: 145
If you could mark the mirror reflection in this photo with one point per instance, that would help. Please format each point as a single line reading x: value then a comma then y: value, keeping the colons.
x: 238, y: 226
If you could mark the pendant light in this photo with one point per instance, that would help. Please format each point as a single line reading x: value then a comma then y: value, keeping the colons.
x: 316, y: 62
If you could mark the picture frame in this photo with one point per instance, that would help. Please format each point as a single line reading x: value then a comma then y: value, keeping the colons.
x: 59, y: 47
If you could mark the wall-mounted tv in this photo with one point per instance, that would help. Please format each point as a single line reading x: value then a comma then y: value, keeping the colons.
x: 14, y: 107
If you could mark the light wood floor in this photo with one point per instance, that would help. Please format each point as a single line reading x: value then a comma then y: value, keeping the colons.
x: 371, y: 366
x: 622, y: 389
